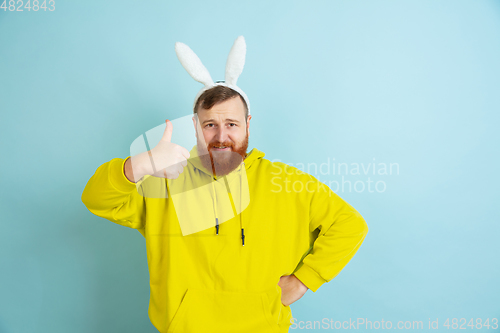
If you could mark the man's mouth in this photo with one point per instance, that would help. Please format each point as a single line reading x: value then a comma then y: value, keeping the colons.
x: 221, y: 148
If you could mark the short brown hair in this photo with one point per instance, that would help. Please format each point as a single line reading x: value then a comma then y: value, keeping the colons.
x: 215, y: 95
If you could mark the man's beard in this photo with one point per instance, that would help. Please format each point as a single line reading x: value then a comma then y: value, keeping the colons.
x: 222, y: 163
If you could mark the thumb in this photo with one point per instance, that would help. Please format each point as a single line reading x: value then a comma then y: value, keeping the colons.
x: 167, y: 135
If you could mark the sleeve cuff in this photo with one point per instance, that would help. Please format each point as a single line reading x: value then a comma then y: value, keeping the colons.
x: 117, y: 176
x: 309, y: 277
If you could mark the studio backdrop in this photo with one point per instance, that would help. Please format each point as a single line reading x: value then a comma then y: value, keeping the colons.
x: 392, y: 104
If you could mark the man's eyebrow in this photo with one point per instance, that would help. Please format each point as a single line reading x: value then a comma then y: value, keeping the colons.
x: 206, y: 121
x: 227, y: 119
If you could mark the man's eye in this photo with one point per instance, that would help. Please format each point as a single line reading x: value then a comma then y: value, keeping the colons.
x: 209, y: 125
x: 232, y: 124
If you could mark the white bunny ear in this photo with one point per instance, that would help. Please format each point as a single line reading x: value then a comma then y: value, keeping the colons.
x: 236, y: 60
x: 192, y: 64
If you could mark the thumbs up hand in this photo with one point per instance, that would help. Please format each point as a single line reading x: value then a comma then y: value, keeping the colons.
x: 169, y: 159
x: 166, y: 160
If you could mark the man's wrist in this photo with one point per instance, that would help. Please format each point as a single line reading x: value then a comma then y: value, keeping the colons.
x: 300, y: 283
x: 133, y: 174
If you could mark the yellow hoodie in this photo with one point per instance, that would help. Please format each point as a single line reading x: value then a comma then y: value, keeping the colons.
x: 211, y: 276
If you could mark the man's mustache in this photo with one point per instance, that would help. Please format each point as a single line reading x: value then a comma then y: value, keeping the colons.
x: 213, y: 144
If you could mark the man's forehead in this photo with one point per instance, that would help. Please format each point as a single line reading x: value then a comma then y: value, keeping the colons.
x: 221, y: 114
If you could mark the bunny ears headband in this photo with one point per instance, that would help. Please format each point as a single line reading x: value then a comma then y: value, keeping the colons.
x: 234, y: 66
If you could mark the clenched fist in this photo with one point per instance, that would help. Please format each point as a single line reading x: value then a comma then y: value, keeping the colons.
x: 292, y: 289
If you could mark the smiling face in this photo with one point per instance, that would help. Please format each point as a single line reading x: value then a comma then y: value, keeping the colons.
x: 222, y: 131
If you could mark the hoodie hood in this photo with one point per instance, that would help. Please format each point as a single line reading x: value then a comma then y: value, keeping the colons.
x: 229, y: 194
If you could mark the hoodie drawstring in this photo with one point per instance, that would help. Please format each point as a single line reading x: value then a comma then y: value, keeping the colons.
x: 214, y: 203
x: 241, y: 211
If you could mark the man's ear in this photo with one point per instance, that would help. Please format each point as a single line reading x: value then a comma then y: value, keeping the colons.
x: 195, y: 118
x: 248, y: 124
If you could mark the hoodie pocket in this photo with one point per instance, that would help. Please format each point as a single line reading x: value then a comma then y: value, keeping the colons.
x: 223, y: 312
x: 281, y: 314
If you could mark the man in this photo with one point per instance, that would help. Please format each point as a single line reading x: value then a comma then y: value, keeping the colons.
x: 231, y: 243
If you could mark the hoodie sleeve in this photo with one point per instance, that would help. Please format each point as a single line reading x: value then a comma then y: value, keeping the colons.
x: 109, y: 194
x: 340, y: 231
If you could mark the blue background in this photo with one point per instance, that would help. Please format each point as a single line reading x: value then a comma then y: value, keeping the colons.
x: 409, y: 82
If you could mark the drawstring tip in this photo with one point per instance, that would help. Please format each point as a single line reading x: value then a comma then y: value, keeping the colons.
x: 216, y: 226
x: 242, y: 237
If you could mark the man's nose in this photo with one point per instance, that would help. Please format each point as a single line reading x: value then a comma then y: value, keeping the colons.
x: 221, y: 135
